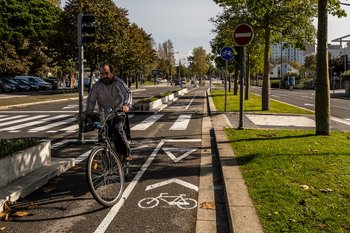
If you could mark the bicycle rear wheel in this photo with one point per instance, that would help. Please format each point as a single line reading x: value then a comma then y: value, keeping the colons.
x: 105, y: 176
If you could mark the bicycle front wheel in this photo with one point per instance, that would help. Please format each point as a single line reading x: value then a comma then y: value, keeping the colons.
x: 105, y: 176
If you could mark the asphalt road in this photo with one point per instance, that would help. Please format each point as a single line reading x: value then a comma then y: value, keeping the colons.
x: 166, y: 151
x: 340, y: 106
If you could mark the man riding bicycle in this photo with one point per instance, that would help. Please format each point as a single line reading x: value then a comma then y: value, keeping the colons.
x: 110, y: 92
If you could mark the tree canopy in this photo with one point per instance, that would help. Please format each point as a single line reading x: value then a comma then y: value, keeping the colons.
x: 26, y: 28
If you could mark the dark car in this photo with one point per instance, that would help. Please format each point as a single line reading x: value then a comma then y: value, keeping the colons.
x: 5, y: 87
x: 53, y: 81
x: 19, y: 87
x: 32, y: 86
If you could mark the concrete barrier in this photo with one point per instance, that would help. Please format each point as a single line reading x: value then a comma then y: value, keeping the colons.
x: 23, y: 162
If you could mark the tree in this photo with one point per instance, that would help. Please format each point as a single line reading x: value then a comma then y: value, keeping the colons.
x: 199, y: 62
x: 126, y: 46
x: 166, y: 57
x: 274, y: 21
x: 26, y: 27
x: 322, y: 100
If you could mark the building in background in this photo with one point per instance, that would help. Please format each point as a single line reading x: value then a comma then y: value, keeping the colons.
x: 289, y: 54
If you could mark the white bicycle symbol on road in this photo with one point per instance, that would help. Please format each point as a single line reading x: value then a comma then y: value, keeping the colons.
x: 181, y: 201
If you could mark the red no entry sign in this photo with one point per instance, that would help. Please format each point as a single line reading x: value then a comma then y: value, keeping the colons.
x: 243, y: 34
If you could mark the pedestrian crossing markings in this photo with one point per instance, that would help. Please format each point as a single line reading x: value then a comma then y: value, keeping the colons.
x: 67, y: 123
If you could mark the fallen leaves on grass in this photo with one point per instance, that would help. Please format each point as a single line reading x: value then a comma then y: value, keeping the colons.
x: 326, y: 190
x: 208, y: 205
x: 304, y: 186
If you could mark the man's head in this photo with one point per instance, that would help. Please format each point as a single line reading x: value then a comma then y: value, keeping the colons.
x: 107, y: 73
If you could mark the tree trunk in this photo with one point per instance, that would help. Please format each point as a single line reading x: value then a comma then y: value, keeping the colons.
x: 322, y: 99
x: 235, y: 84
x: 266, y: 79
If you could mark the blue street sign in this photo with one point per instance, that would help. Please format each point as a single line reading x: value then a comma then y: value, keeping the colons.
x: 227, y: 53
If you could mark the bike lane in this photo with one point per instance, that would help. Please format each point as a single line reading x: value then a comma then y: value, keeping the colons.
x: 165, y: 197
x: 165, y: 162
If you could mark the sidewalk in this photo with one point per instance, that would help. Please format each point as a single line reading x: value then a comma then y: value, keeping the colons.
x: 241, y: 212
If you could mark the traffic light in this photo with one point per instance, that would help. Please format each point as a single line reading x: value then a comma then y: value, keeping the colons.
x: 86, y: 28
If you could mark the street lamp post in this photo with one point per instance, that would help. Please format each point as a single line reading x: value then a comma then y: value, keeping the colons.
x: 180, y: 72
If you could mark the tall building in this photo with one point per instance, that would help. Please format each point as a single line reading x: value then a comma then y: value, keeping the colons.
x: 289, y: 54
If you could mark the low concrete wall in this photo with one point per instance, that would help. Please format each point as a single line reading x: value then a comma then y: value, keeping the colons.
x: 23, y: 162
x: 157, y: 103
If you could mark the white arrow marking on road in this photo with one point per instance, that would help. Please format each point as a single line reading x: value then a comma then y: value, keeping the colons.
x: 172, y: 156
x: 174, y: 180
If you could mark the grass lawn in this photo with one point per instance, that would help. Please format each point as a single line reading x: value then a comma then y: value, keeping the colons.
x: 251, y: 105
x: 299, y: 182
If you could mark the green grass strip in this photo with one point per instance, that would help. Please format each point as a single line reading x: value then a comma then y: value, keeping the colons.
x: 299, y: 182
x: 35, y: 98
x: 251, y: 105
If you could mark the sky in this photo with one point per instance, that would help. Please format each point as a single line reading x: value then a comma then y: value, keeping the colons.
x: 186, y: 22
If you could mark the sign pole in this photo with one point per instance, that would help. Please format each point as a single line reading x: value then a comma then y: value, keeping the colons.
x: 226, y: 85
x: 242, y: 35
x: 241, y: 85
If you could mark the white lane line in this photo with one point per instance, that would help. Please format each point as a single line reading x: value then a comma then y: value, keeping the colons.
x: 312, y: 105
x: 147, y: 122
x: 13, y: 117
x: 22, y: 120
x: 192, y: 100
x: 54, y: 124
x: 33, y: 123
x: 115, y: 209
x: 182, y: 122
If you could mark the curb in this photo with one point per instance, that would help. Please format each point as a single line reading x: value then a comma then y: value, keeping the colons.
x: 241, y: 212
x: 32, y: 181
x: 206, y: 217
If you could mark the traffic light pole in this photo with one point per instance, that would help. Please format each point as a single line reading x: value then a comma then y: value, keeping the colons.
x: 80, y: 80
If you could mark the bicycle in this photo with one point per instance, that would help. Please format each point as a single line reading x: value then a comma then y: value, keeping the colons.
x: 105, y: 171
x: 181, y: 201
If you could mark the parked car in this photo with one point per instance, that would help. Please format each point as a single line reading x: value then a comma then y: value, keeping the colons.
x: 32, y: 87
x: 53, y: 81
x: 5, y: 87
x: 36, y: 80
x: 19, y: 87
x: 87, y: 81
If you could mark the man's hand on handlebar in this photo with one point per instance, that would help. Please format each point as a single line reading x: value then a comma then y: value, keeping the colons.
x: 125, y: 108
